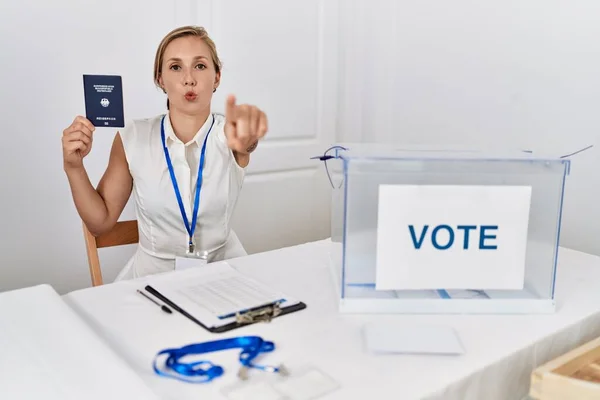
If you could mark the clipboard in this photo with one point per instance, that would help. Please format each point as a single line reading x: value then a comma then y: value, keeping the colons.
x: 186, y: 296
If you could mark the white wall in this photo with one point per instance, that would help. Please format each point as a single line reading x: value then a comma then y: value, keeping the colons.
x: 512, y: 73
x: 283, y: 66
x: 507, y: 73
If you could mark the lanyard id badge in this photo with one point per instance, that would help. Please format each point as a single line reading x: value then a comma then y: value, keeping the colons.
x: 191, y: 251
x: 197, y: 259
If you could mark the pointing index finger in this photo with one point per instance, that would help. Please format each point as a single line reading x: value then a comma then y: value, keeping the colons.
x: 230, y: 108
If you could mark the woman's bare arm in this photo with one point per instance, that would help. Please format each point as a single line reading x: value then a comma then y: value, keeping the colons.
x: 100, y: 208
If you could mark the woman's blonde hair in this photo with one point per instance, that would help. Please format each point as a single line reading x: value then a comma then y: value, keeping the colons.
x: 189, y: 30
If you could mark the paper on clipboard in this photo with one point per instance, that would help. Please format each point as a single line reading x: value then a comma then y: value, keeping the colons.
x: 217, y: 292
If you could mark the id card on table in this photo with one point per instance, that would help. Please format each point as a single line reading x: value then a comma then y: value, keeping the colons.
x: 303, y: 383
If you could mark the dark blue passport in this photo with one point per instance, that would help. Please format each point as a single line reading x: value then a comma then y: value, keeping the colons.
x: 104, y: 100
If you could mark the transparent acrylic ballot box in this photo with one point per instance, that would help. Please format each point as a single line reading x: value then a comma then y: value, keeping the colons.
x: 385, y: 260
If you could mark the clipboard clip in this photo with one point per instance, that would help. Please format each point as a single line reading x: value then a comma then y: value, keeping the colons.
x: 263, y: 314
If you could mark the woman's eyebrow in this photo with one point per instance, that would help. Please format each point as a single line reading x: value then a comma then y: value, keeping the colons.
x: 195, y: 58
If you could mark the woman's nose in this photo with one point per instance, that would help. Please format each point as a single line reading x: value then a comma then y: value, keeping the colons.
x: 188, y: 80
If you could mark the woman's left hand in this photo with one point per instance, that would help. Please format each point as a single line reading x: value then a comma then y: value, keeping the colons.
x: 245, y: 125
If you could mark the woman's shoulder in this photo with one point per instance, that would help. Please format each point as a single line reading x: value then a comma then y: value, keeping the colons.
x: 139, y: 132
x: 219, y: 118
x: 141, y: 125
x: 219, y: 127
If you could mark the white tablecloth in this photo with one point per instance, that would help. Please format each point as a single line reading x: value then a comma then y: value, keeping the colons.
x: 501, y: 350
x: 47, y: 352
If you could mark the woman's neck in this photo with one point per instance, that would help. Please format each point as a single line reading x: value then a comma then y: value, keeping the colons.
x: 185, y: 126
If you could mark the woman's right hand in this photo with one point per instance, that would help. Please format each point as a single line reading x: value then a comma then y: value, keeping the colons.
x: 77, y: 142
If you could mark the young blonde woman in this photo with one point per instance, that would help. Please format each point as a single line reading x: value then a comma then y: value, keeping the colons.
x: 185, y: 168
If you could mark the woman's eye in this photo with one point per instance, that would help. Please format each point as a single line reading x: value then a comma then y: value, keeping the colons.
x: 201, y: 66
x: 175, y: 67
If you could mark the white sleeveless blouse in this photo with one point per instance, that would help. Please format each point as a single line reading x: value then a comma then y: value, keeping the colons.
x: 162, y: 232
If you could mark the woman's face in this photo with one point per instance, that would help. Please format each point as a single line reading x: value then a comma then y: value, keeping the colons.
x: 188, y: 74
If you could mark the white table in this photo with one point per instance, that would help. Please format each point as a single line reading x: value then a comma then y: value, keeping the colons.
x: 501, y: 350
x: 49, y: 353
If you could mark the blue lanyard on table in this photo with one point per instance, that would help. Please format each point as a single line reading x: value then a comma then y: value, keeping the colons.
x: 205, y: 371
x: 190, y: 228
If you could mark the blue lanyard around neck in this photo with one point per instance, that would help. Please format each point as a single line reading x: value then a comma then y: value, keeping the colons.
x: 205, y: 371
x: 190, y: 228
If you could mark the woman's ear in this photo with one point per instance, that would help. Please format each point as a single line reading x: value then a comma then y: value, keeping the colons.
x: 161, y: 84
x: 217, y: 82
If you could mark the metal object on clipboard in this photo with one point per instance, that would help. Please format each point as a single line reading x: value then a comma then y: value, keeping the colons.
x: 263, y: 314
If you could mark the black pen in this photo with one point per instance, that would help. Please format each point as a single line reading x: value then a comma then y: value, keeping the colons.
x: 175, y: 306
x: 162, y: 307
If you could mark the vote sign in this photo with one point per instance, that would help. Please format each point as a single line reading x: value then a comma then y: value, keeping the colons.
x: 452, y: 237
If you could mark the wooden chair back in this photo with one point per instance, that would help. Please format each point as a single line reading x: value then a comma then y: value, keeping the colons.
x: 124, y: 232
